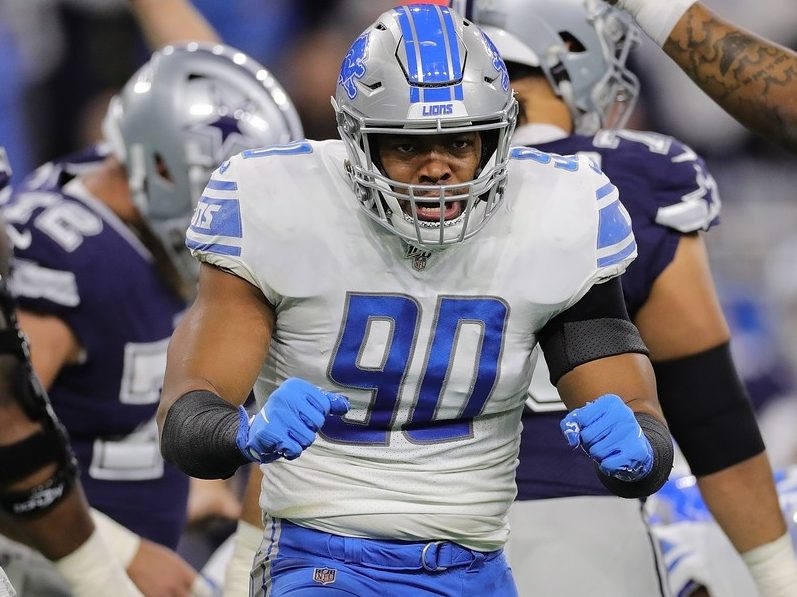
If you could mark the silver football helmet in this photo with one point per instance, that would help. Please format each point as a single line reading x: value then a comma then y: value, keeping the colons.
x: 423, y: 70
x: 581, y: 45
x: 189, y: 108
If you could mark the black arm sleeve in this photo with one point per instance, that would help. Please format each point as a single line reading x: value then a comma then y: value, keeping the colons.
x: 595, y: 327
x: 708, y: 410
x: 199, y: 434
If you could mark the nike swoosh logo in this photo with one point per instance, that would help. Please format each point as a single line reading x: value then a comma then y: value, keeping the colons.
x: 21, y: 240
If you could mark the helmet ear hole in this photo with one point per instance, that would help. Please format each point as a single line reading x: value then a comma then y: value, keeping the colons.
x: 572, y: 43
x: 161, y: 169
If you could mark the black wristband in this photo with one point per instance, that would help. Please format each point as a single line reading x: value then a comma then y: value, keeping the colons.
x: 660, y: 441
x: 199, y: 434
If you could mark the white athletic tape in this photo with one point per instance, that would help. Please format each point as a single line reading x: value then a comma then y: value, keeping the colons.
x: 90, y: 570
x: 123, y: 542
x: 657, y: 18
x: 773, y: 567
x: 246, y: 542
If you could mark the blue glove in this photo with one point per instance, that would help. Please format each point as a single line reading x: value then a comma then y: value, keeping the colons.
x: 288, y: 422
x: 608, y: 431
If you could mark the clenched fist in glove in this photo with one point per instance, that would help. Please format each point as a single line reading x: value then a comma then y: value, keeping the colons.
x: 611, y: 435
x: 633, y: 451
x: 288, y: 422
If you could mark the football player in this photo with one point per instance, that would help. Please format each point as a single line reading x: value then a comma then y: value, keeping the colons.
x: 412, y: 266
x: 101, y: 275
x: 41, y: 499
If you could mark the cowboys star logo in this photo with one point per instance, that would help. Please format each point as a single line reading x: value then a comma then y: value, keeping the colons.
x: 223, y: 124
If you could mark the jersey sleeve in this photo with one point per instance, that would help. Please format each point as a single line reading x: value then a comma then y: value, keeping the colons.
x: 681, y: 188
x: 216, y: 232
x: 688, y: 198
x: 668, y: 191
x: 612, y: 246
x: 616, y: 246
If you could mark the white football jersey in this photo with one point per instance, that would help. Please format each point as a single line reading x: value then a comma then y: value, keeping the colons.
x: 433, y: 350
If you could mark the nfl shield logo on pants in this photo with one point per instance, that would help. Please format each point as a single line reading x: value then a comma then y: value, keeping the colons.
x: 324, y: 576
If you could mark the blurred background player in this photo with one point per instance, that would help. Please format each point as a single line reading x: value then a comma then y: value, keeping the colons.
x: 567, y: 62
x: 101, y: 277
x: 41, y: 499
x: 700, y: 560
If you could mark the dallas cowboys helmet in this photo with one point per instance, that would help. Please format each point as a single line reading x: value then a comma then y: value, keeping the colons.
x: 423, y: 70
x: 581, y: 45
x: 189, y: 108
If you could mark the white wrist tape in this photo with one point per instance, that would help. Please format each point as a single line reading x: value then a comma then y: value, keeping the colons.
x: 123, y: 542
x: 773, y: 566
x: 246, y: 542
x: 657, y: 18
x: 91, y: 571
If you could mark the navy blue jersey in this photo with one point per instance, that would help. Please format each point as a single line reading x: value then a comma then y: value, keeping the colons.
x: 668, y: 192
x: 75, y: 259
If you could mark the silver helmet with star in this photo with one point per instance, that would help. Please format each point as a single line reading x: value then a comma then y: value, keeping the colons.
x: 189, y: 108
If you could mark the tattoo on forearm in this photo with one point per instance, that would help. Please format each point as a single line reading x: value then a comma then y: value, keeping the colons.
x: 753, y: 79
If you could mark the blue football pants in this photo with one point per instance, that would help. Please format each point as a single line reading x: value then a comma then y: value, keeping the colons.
x: 295, y: 561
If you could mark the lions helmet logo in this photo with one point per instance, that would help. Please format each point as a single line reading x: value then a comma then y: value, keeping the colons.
x: 353, y: 66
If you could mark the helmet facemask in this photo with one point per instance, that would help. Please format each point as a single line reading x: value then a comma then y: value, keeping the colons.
x: 384, y: 89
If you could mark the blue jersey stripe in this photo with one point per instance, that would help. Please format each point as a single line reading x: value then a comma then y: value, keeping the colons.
x: 619, y: 256
x: 613, y: 224
x: 296, y: 148
x: 222, y: 185
x: 217, y: 248
x: 604, y: 190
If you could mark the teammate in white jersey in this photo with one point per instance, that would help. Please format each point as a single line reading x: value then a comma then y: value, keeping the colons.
x: 412, y: 267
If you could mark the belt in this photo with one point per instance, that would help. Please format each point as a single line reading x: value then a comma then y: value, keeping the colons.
x: 433, y: 556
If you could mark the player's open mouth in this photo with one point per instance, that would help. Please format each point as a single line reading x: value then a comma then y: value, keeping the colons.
x: 429, y: 215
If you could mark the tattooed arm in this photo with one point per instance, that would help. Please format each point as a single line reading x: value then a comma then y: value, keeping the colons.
x: 752, y: 78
